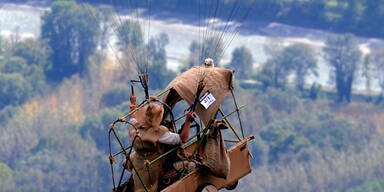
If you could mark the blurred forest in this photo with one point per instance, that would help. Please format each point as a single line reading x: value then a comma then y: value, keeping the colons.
x: 60, y: 92
x: 360, y: 17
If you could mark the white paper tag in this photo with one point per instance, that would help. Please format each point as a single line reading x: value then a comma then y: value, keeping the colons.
x: 207, y: 100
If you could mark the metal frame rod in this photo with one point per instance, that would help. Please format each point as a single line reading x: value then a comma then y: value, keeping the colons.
x: 190, y: 139
x: 229, y: 124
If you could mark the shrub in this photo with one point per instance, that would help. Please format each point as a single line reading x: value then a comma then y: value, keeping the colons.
x: 14, y: 89
x: 281, y: 100
x: 96, y: 126
x: 6, y: 178
x: 115, y: 96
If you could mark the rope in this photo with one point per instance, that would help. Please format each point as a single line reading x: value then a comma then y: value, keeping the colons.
x: 109, y: 45
x: 236, y: 31
x: 206, y: 30
x: 228, y: 33
x: 131, y: 50
x: 229, y: 19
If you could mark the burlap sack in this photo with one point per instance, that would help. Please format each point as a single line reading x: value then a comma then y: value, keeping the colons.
x: 218, y: 82
x: 148, y: 126
x: 149, y: 174
x: 215, y: 156
x: 147, y: 131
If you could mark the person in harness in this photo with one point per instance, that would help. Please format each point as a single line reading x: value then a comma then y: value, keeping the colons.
x: 149, y: 139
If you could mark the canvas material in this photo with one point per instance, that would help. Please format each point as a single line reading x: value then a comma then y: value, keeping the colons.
x: 148, y: 126
x: 215, y: 156
x: 218, y: 82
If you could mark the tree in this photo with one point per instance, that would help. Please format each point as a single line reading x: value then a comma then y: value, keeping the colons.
x: 8, y: 112
x: 193, y: 58
x: 34, y: 52
x: 14, y: 65
x: 63, y: 162
x: 33, y: 74
x: 156, y: 49
x: 131, y: 42
x: 6, y: 178
x: 242, y: 61
x: 281, y: 70
x: 367, y: 75
x: 5, y: 46
x: 72, y: 32
x: 265, y: 76
x: 115, y: 96
x: 14, y: 89
x: 106, y: 19
x: 15, y: 36
x: 314, y: 91
x: 352, y: 14
x: 95, y: 125
x: 130, y: 36
x: 303, y: 61
x: 343, y: 55
x: 299, y: 58
x: 372, y: 24
x: 213, y: 48
x: 36, y: 77
x: 313, y: 11
x: 282, y: 101
x: 377, y: 60
x: 282, y: 140
x: 159, y: 74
